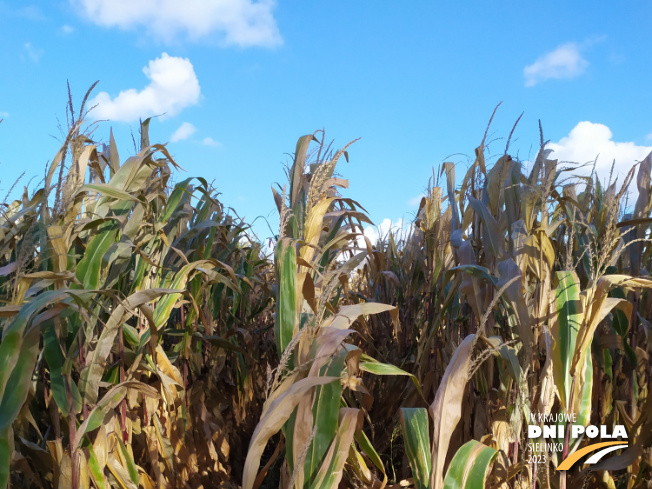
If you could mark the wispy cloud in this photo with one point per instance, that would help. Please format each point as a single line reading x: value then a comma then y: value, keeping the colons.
x: 564, y: 62
x: 67, y: 29
x: 32, y: 53
x: 208, y: 141
x: 414, y: 201
x: 237, y: 22
x: 588, y: 140
x: 173, y: 87
x: 30, y: 12
x: 183, y: 132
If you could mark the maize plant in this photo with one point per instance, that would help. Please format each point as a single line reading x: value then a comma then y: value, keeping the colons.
x: 148, y: 339
x: 316, y: 396
x: 115, y: 334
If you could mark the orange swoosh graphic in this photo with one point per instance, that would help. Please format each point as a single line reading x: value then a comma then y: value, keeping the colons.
x: 574, y: 457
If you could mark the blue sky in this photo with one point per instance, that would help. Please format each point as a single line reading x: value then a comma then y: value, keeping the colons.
x: 240, y: 81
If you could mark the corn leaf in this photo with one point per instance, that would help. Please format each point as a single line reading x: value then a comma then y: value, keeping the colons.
x: 286, y: 315
x: 416, y: 434
x: 332, y: 469
x: 446, y: 409
x: 272, y: 420
x: 470, y: 466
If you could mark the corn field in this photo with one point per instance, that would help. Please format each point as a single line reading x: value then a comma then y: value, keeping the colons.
x: 150, y: 341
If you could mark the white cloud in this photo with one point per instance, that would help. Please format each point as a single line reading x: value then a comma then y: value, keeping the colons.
x: 4, y: 115
x: 67, y: 29
x: 414, y: 201
x: 173, y: 87
x: 564, y: 62
x: 208, y: 141
x: 588, y: 140
x: 183, y: 132
x: 400, y: 228
x: 238, y: 22
x: 34, y: 54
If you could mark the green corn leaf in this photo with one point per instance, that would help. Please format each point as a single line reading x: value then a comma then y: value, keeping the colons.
x: 11, y: 404
x: 332, y: 470
x: 416, y: 435
x: 120, y: 473
x: 18, y: 353
x: 569, y: 320
x: 89, y: 267
x: 176, y: 286
x: 96, y: 473
x: 286, y: 311
x: 131, y: 465
x: 373, y: 366
x: 89, y: 381
x: 325, y: 414
x: 273, y: 418
x: 470, y: 466
x: 180, y: 190
x: 109, y: 402
x: 164, y: 307
x: 59, y: 382
x: 365, y: 445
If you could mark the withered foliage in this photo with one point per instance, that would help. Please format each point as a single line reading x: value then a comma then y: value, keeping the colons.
x: 149, y: 340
